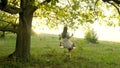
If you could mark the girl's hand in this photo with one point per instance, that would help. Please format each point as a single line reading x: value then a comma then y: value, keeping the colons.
x: 72, y: 34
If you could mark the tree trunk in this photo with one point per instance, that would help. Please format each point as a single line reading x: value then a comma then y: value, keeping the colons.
x: 22, y: 51
x: 23, y: 37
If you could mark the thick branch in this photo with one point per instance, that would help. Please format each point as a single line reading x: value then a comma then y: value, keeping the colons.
x: 3, y: 3
x: 30, y: 9
x: 8, y: 22
x: 116, y: 1
x: 9, y: 30
x: 13, y: 30
x: 13, y: 25
x: 10, y: 9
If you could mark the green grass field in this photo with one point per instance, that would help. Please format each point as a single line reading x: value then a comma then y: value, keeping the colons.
x: 46, y: 53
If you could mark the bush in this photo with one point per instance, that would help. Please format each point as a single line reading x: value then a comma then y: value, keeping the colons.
x: 91, y: 36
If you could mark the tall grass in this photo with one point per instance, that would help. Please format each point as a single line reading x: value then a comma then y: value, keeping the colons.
x: 46, y: 53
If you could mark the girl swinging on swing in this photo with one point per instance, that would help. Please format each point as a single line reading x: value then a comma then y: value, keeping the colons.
x: 66, y: 42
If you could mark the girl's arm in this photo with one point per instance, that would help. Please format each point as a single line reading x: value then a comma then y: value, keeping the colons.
x: 69, y: 36
x: 59, y: 37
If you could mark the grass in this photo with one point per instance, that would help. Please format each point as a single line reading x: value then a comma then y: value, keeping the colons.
x: 46, y: 53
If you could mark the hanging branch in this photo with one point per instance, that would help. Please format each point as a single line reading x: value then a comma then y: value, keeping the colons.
x: 69, y: 3
x: 95, y: 7
x: 116, y: 6
x: 109, y: 1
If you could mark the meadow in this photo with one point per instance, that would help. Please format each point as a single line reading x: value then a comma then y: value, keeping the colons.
x: 46, y: 53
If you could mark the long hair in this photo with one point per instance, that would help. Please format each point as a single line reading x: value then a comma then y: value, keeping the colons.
x: 64, y: 33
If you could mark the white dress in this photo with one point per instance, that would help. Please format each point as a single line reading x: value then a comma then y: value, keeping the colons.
x: 66, y: 43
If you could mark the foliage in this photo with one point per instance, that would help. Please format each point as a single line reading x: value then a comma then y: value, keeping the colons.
x: 107, y: 14
x: 8, y: 21
x: 73, y: 12
x: 15, y: 3
x: 76, y: 12
x: 91, y: 36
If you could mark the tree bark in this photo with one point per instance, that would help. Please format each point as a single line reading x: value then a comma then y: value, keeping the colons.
x: 22, y: 52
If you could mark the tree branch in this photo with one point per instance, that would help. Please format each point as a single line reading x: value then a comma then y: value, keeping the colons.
x: 10, y: 9
x: 7, y: 22
x: 9, y: 30
x: 95, y: 7
x: 6, y: 27
x: 116, y: 6
x: 117, y: 1
x: 108, y: 1
x: 69, y: 3
x: 13, y: 30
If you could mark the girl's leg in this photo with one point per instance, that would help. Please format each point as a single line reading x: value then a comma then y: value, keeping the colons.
x: 73, y: 46
x: 69, y: 52
x: 60, y: 44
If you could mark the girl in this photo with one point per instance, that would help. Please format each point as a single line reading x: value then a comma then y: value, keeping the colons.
x: 66, y: 42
